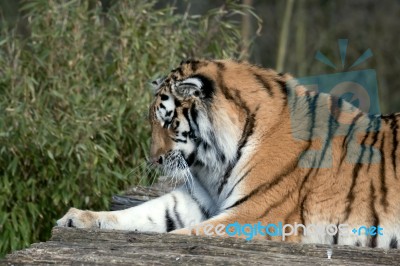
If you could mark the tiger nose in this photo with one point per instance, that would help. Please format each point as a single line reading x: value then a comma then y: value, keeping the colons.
x: 157, y: 159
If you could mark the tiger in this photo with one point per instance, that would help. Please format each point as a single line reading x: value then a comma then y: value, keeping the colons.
x: 253, y: 145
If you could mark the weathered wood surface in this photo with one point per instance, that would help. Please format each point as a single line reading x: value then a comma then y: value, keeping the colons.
x: 70, y: 246
x: 76, y: 246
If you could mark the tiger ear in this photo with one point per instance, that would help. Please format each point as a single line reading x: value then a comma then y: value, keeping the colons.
x: 155, y: 84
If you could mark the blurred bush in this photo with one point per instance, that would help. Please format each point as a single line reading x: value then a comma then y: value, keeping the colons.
x: 74, y: 99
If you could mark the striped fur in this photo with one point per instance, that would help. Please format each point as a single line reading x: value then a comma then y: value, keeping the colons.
x: 254, y: 146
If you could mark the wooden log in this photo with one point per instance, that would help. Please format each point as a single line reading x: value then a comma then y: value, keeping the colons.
x: 108, y: 247
x: 140, y: 194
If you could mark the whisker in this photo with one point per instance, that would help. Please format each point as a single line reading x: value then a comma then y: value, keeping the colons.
x: 176, y: 168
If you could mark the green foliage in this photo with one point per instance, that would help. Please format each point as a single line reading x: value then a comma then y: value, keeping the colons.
x: 74, y: 99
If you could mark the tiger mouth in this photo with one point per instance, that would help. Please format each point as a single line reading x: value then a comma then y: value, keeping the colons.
x: 175, y: 161
x: 176, y: 167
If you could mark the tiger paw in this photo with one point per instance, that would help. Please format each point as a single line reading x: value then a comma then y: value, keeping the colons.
x: 80, y: 219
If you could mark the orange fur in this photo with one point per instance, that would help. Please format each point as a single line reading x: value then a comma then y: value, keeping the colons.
x: 286, y: 192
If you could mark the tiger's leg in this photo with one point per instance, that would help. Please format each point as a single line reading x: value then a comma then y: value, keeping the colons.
x: 176, y: 209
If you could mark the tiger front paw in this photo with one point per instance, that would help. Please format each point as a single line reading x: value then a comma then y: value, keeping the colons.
x: 80, y: 219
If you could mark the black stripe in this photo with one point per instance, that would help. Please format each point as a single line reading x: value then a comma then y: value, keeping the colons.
x: 205, y: 145
x: 228, y: 172
x: 199, y: 163
x: 175, y: 115
x: 208, y: 88
x: 177, y: 103
x: 166, y: 124
x: 349, y: 136
x: 336, y: 236
x: 395, y: 143
x: 162, y: 106
x: 393, y: 242
x: 303, y: 184
x: 384, y: 201
x: 301, y: 189
x: 176, y: 213
x: 203, y: 210
x: 356, y: 171
x: 194, y: 116
x: 350, y: 194
x: 214, y: 144
x: 336, y: 104
x: 174, y: 77
x: 265, y: 84
x: 248, y: 127
x: 238, y: 181
x: 185, y: 112
x: 164, y: 97
x: 312, y: 104
x: 302, y: 204
x: 375, y: 217
x: 332, y: 127
x: 248, y: 130
x: 179, y: 140
x: 190, y: 159
x: 374, y: 140
x: 265, y: 186
x: 169, y: 223
x: 177, y: 123
x: 194, y: 65
x: 179, y: 70
x: 222, y: 157
x: 283, y: 86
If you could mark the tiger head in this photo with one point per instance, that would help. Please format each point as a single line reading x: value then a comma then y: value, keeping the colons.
x: 203, y: 113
